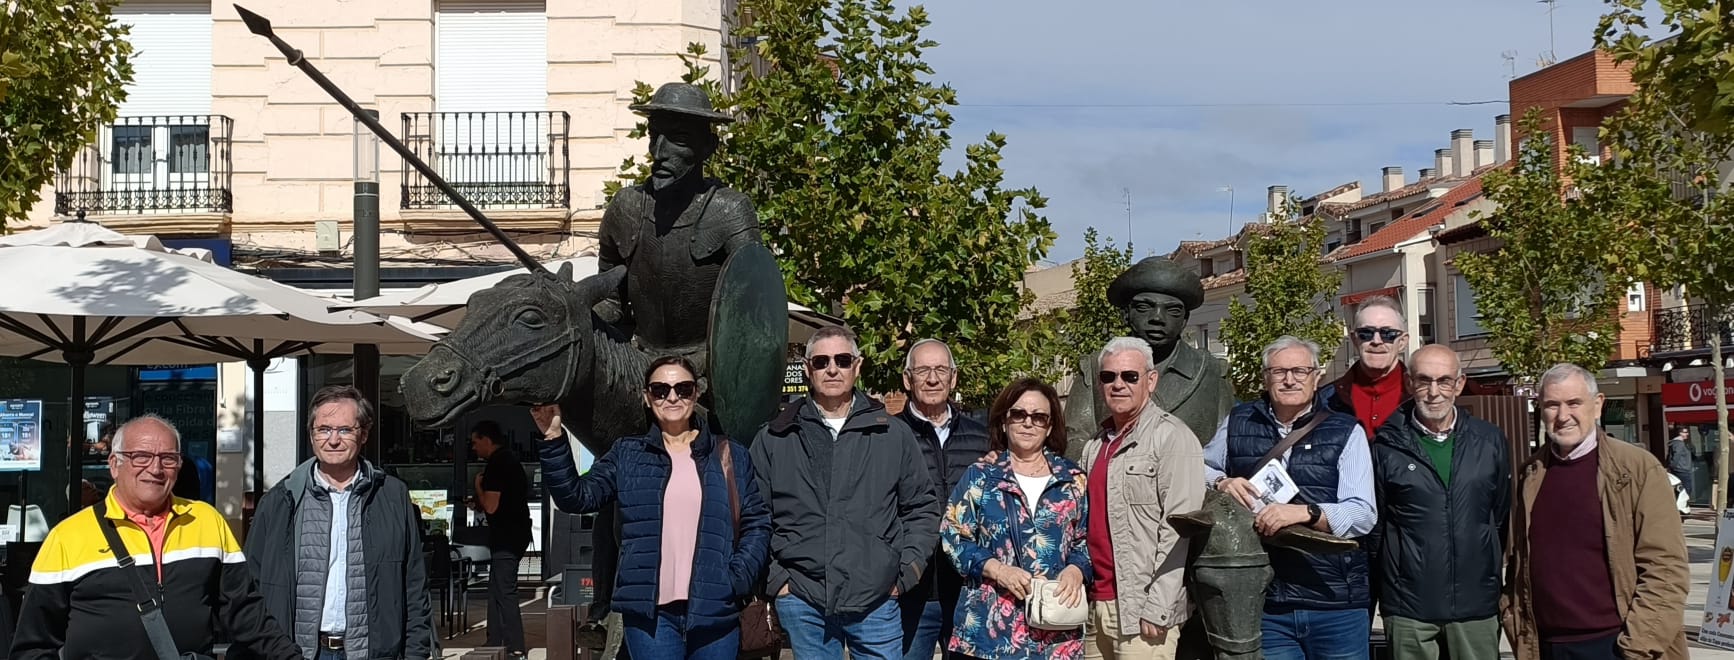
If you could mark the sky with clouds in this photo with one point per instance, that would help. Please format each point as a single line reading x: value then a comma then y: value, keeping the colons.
x: 1173, y: 101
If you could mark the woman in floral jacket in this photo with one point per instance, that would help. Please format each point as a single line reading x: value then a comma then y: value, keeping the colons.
x: 1017, y: 516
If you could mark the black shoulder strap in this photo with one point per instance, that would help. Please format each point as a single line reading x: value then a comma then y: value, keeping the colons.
x: 1293, y: 437
x: 149, y: 609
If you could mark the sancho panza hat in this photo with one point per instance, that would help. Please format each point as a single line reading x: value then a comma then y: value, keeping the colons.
x: 1157, y: 275
x: 682, y: 99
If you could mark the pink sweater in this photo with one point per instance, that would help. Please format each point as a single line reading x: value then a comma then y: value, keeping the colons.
x: 680, y: 511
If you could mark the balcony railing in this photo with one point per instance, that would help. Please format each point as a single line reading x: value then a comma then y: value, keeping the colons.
x: 1688, y: 328
x: 501, y: 160
x: 151, y: 165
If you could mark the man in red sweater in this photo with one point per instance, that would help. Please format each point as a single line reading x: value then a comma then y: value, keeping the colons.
x: 1377, y: 383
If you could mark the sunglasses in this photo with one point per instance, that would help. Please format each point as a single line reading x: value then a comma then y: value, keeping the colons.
x: 1107, y: 377
x: 1019, y: 415
x: 1387, y: 334
x: 823, y: 362
x: 684, y: 389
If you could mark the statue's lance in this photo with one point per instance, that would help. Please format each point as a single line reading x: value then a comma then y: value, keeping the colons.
x: 261, y: 26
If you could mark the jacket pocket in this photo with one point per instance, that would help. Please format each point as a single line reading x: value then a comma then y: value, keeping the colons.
x: 1140, y: 482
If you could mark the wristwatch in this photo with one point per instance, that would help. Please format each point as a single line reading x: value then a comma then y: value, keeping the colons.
x: 1313, y: 514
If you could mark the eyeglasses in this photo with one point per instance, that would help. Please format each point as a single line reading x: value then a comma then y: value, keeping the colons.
x: 1107, y: 377
x: 823, y: 362
x: 1387, y: 334
x: 682, y: 390
x: 1425, y: 384
x: 343, y: 431
x: 141, y: 459
x: 1019, y: 416
x: 1297, y: 373
x: 922, y: 373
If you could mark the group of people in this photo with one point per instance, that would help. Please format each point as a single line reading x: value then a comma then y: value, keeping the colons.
x: 333, y: 565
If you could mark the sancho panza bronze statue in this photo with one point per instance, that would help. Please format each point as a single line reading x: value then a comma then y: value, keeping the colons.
x: 1157, y: 297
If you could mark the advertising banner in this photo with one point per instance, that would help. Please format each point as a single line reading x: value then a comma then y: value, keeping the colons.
x: 21, y: 434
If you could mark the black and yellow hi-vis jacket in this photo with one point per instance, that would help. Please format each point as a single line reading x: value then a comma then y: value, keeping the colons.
x: 80, y: 603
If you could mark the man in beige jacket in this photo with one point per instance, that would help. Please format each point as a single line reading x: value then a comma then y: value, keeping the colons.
x: 1143, y: 466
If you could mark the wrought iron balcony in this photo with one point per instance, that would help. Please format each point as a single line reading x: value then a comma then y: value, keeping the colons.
x: 151, y: 165
x: 501, y: 160
x: 1688, y: 328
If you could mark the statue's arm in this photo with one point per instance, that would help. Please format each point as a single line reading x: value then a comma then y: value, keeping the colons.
x: 611, y: 308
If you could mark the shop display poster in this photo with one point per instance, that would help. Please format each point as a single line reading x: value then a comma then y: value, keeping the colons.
x: 20, y: 434
x: 1718, y: 628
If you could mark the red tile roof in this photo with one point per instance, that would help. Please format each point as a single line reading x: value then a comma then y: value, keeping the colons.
x: 1432, y: 213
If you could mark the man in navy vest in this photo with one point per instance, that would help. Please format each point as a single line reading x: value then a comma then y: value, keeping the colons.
x: 1317, y: 606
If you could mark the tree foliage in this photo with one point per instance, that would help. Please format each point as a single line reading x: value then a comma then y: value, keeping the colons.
x: 1550, y: 293
x: 1289, y: 294
x: 840, y: 145
x: 1092, y: 320
x: 64, y: 67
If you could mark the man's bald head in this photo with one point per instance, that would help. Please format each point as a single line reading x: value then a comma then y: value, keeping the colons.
x: 1440, y: 354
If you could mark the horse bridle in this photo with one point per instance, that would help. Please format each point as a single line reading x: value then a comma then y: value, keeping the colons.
x: 493, y: 378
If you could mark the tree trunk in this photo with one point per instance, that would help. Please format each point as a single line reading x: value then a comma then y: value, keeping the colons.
x: 1720, y: 496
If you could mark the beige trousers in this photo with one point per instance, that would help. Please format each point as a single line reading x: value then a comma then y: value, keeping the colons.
x: 1103, y: 641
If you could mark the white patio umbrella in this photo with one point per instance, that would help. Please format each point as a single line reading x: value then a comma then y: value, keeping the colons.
x: 86, y: 295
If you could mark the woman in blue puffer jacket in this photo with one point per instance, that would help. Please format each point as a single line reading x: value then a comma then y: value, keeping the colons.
x: 685, y: 572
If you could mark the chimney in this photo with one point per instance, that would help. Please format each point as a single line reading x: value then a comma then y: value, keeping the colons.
x: 1442, y: 163
x: 1427, y: 173
x: 1393, y: 178
x: 1462, y: 152
x: 1277, y: 202
x: 1501, y: 139
x: 1483, y: 153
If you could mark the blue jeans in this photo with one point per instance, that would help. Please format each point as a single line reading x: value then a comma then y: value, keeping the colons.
x: 1317, y: 635
x: 813, y: 635
x: 666, y: 638
x: 328, y: 654
x: 924, y: 625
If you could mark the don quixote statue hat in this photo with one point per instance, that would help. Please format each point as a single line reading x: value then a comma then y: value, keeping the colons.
x: 682, y: 99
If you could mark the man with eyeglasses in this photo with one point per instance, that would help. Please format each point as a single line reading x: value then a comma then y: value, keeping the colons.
x: 1443, y: 485
x: 1316, y: 606
x: 173, y: 560
x: 1141, y: 467
x: 337, y: 546
x: 951, y: 441
x: 1376, y: 383
x: 854, y: 514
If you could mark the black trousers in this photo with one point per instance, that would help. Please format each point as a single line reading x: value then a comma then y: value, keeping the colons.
x: 1606, y: 648
x: 505, y: 622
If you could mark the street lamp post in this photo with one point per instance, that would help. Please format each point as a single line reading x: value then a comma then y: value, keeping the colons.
x: 366, y: 285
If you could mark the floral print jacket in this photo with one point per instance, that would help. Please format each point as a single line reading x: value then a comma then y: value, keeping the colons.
x: 986, y: 519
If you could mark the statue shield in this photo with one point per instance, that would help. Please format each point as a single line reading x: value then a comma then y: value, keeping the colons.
x: 749, y: 334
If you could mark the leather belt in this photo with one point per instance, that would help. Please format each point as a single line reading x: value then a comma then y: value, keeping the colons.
x: 331, y: 641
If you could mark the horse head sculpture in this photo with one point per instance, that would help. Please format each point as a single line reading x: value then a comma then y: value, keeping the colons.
x: 1229, y: 570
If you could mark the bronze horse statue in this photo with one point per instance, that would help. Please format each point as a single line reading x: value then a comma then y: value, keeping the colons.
x: 1228, y: 570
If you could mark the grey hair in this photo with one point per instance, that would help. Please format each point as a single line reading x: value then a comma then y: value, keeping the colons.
x: 1123, y: 344
x: 1560, y: 372
x: 909, y: 358
x: 1286, y: 342
x: 834, y: 331
x: 1386, y: 302
x: 120, y: 433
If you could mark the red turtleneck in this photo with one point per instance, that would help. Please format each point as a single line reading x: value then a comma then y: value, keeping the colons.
x: 1375, y: 399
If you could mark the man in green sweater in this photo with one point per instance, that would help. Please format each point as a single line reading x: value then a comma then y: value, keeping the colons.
x: 1444, y: 489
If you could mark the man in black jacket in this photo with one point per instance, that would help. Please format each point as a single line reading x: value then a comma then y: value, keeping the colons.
x: 1444, y: 490
x: 854, y: 518
x: 951, y: 441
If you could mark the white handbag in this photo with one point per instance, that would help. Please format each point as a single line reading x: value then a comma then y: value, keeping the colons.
x: 1043, y: 609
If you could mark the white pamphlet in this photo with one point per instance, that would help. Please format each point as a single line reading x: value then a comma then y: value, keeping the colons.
x: 1273, y: 486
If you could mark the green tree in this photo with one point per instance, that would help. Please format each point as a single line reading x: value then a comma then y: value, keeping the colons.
x: 840, y: 145
x: 1289, y: 294
x: 1092, y: 320
x: 1550, y: 293
x: 1664, y: 187
x: 64, y: 67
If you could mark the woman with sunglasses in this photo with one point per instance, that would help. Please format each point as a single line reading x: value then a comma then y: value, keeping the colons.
x: 1018, y: 516
x: 685, y: 571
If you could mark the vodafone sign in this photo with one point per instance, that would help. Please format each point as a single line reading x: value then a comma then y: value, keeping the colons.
x: 1693, y: 403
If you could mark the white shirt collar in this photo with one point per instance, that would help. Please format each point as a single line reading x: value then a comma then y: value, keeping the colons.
x: 1583, y: 448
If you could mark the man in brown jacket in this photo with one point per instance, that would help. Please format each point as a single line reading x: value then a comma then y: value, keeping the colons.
x: 1143, y: 466
x: 1598, y: 513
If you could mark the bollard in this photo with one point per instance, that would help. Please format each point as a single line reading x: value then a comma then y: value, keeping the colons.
x: 562, y: 625
x: 487, y: 653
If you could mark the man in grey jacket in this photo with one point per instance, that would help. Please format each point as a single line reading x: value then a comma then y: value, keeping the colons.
x: 337, y: 548
x: 854, y: 515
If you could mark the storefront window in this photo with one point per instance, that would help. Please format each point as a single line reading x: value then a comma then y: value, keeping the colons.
x: 1620, y: 420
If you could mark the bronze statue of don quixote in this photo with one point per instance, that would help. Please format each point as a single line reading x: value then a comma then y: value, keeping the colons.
x: 684, y: 271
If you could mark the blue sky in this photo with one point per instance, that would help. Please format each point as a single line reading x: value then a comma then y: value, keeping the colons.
x: 1039, y: 71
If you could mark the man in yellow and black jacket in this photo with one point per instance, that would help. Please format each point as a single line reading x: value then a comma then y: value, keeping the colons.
x: 81, y: 603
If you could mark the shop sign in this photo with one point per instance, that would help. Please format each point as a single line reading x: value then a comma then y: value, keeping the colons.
x: 795, y: 377
x: 20, y: 434
x: 1692, y: 403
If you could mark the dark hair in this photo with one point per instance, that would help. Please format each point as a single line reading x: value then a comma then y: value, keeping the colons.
x: 1678, y: 429
x: 996, y: 439
x: 335, y: 393
x: 667, y: 360
x: 490, y: 429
